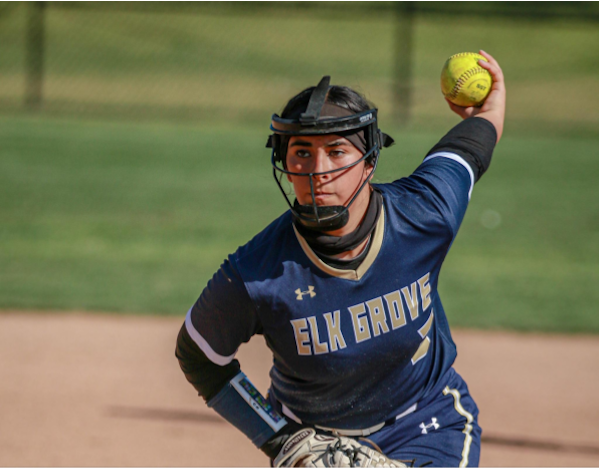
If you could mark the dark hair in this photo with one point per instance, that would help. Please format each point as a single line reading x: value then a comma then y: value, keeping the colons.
x: 341, y: 96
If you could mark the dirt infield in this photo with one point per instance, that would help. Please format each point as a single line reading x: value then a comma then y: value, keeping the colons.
x: 90, y: 390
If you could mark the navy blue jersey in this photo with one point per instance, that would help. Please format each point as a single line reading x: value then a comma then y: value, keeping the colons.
x: 352, y: 348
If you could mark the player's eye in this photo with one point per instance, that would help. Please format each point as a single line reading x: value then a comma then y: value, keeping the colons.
x: 301, y: 153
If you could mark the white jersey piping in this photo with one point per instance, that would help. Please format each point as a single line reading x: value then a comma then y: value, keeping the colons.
x: 459, y: 160
x: 203, y: 344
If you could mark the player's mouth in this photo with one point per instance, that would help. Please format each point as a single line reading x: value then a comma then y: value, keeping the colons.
x: 322, y: 197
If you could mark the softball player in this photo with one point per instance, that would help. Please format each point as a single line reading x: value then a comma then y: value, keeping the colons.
x: 343, y: 286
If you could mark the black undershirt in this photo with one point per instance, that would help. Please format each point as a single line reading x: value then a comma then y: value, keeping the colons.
x: 341, y: 264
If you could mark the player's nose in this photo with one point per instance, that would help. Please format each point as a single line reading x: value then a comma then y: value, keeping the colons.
x: 321, y: 163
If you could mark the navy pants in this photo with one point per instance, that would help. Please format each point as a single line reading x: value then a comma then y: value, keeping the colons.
x: 443, y: 431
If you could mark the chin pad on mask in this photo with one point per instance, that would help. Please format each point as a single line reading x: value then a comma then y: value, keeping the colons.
x: 327, y: 218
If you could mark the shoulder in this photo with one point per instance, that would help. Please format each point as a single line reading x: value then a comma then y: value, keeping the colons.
x: 267, y: 247
x: 445, y: 167
x: 436, y: 193
x: 274, y: 233
x: 408, y: 206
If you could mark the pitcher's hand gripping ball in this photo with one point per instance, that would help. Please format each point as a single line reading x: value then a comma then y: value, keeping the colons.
x: 464, y: 82
x: 309, y: 448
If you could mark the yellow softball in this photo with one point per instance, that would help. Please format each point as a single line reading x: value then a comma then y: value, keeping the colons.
x: 464, y: 82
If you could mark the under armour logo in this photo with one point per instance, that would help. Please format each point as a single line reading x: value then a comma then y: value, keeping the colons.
x: 299, y: 293
x: 433, y: 424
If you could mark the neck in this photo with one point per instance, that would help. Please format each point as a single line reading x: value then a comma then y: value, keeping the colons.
x: 350, y: 254
x: 358, y: 218
x: 351, y: 245
x: 356, y: 214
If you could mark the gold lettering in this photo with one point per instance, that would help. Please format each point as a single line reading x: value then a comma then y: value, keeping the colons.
x: 377, y: 314
x: 359, y: 322
x: 412, y: 301
x: 318, y: 347
x: 394, y: 303
x: 425, y: 289
x: 422, y: 351
x: 301, y: 335
x: 336, y: 339
x: 425, y: 328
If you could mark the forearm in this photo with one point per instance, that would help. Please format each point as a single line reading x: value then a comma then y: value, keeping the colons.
x: 227, y: 390
x: 496, y: 118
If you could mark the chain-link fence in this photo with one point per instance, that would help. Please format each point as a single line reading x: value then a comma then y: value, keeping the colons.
x: 239, y: 62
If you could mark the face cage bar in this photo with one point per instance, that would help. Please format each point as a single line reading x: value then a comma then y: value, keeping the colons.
x: 373, y: 151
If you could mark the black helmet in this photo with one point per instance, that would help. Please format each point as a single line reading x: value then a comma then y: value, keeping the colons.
x: 339, y: 121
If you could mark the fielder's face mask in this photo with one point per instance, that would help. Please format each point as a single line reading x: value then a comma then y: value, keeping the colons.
x: 360, y: 129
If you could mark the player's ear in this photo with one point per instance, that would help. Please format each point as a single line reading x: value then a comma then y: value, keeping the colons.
x: 368, y: 167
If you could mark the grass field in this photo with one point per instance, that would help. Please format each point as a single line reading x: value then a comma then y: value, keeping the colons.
x: 107, y: 203
x: 136, y: 217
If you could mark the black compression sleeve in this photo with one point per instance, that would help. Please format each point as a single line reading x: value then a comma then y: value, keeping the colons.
x: 474, y: 140
x: 210, y: 379
x: 206, y: 376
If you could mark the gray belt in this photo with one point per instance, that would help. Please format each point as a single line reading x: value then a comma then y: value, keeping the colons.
x: 352, y: 432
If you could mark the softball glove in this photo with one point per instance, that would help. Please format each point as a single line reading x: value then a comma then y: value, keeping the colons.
x: 309, y: 448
